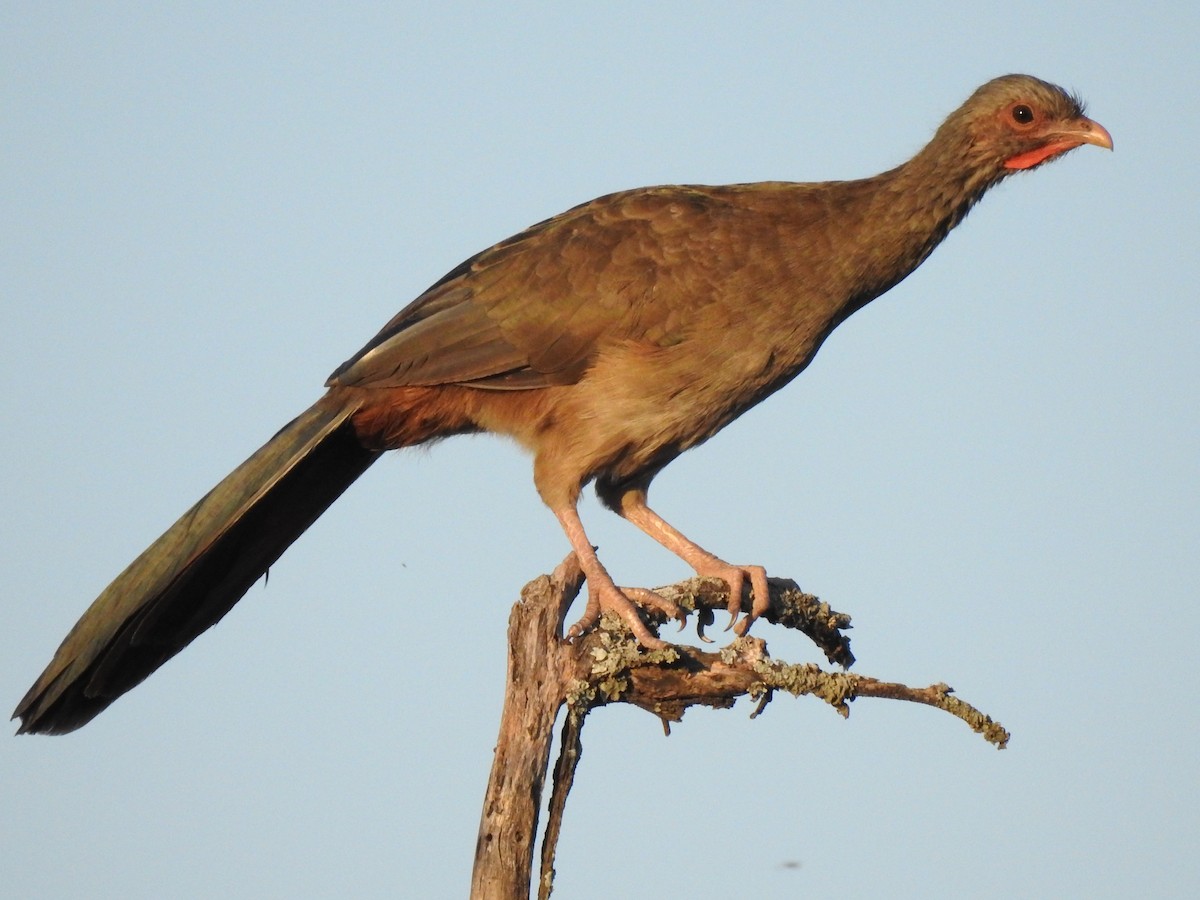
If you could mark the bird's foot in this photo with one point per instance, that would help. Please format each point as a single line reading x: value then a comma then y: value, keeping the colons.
x: 735, y: 577
x: 606, y: 597
x: 632, y: 505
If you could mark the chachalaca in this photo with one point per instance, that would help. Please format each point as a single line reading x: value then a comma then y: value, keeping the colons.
x: 606, y: 340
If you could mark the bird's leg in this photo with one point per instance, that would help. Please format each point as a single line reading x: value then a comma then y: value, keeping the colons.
x: 603, y: 593
x: 632, y: 506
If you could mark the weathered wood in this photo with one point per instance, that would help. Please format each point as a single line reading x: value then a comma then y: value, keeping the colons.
x: 607, y: 665
x: 535, y: 689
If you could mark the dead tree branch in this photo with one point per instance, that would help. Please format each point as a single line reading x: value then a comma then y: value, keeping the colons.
x: 607, y: 666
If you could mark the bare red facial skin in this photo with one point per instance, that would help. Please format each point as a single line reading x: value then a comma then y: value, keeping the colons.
x: 1031, y: 158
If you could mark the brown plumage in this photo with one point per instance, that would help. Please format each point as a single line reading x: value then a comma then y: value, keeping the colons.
x: 607, y: 340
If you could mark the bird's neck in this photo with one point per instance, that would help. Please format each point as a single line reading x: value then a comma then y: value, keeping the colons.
x: 904, y: 213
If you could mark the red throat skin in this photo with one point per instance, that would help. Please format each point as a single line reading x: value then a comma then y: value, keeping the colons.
x: 1031, y: 158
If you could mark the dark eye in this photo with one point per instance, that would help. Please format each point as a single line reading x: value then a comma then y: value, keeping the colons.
x: 1022, y: 114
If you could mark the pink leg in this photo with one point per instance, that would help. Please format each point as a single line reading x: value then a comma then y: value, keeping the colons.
x: 633, y: 508
x: 603, y: 594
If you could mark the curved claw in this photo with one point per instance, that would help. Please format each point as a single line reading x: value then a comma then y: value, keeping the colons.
x: 735, y: 577
x: 760, y: 598
x: 649, y: 599
x: 590, y: 618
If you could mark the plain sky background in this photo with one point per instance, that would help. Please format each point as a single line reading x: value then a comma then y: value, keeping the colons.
x: 205, y: 208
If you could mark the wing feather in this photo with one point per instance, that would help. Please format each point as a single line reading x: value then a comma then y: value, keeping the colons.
x: 535, y: 309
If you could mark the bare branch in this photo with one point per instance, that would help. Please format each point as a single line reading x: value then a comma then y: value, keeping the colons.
x: 608, y: 666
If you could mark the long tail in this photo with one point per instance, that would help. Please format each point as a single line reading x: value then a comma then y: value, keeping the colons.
x: 191, y: 576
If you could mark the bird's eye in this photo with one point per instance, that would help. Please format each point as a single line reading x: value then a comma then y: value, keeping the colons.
x: 1022, y: 114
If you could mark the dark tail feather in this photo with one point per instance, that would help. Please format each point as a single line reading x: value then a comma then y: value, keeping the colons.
x: 191, y: 576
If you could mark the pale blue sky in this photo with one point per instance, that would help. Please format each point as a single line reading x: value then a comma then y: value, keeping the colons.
x: 204, y: 209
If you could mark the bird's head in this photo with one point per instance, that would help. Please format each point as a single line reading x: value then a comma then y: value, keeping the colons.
x: 1018, y: 122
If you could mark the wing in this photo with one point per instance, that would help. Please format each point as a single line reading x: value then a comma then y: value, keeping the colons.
x: 534, y: 310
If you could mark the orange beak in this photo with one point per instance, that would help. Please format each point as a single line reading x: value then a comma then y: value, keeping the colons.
x: 1089, y: 132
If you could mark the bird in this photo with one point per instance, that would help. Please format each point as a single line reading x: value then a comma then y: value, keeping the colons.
x: 606, y: 340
